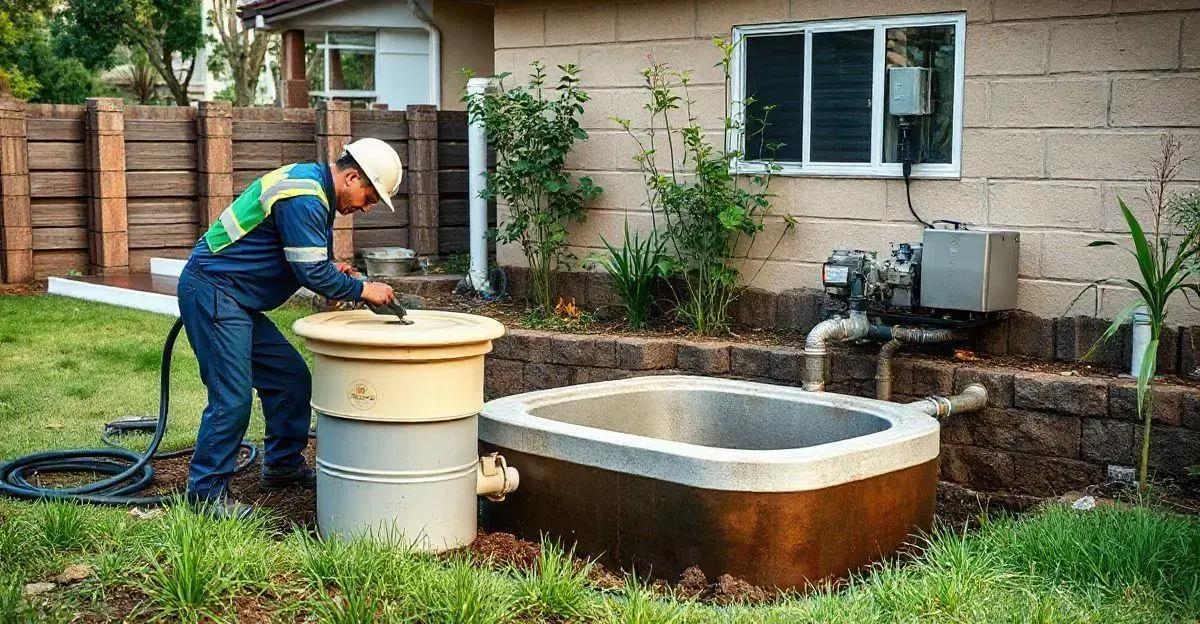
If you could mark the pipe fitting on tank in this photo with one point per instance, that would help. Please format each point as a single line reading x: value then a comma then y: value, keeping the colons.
x: 825, y: 332
x: 972, y: 399
x: 494, y: 478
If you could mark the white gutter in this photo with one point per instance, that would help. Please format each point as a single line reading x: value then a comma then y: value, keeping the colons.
x: 435, y: 52
x: 477, y: 276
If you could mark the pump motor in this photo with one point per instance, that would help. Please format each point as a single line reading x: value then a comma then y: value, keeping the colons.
x: 951, y: 275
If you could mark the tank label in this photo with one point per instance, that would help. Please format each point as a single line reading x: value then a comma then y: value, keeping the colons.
x: 361, y: 394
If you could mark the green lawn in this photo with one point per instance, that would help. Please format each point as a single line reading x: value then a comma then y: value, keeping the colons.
x: 67, y: 367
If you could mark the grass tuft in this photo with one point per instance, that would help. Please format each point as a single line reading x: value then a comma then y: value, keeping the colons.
x: 60, y: 525
x: 460, y: 593
x: 558, y: 585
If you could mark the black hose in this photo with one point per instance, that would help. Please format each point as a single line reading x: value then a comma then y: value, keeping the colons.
x: 128, y: 471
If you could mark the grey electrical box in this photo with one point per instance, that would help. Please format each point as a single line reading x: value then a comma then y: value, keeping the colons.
x: 971, y: 270
x: 908, y: 91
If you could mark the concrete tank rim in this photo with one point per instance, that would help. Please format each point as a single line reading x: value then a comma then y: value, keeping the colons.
x: 911, y: 439
x: 367, y: 329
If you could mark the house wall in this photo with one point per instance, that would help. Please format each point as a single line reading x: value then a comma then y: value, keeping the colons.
x: 466, y: 43
x: 1065, y: 105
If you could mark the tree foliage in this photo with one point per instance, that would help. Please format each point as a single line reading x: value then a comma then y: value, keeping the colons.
x: 237, y: 51
x: 165, y: 30
x: 33, y: 65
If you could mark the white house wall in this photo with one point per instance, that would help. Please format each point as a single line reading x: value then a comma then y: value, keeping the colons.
x: 402, y: 67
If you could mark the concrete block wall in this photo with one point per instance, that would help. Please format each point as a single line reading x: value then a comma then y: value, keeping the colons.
x: 1041, y: 434
x: 1065, y: 105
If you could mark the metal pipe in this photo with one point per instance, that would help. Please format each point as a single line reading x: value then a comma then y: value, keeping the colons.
x: 883, y: 370
x: 830, y: 330
x: 972, y: 399
x: 896, y: 337
x: 477, y: 276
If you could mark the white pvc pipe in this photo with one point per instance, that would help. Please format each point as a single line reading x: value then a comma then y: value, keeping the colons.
x: 476, y: 180
x: 1141, y: 338
x: 435, y: 52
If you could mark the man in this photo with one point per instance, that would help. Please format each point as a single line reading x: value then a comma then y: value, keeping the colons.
x: 274, y: 238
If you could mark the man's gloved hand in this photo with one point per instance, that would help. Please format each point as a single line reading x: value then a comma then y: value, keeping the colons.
x: 377, y: 293
x: 346, y: 267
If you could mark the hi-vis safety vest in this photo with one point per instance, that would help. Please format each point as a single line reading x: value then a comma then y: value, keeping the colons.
x: 255, y: 203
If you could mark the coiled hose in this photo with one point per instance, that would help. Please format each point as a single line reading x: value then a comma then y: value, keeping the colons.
x: 128, y: 472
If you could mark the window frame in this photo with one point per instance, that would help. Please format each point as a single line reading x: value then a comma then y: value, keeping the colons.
x: 876, y: 168
x: 325, y: 46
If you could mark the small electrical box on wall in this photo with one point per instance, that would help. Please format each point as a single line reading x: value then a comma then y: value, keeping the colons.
x: 909, y: 91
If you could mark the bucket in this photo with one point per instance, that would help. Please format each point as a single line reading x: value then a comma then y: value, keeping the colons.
x: 389, y: 261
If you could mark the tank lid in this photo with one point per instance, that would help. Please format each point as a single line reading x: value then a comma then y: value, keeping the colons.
x: 429, y: 328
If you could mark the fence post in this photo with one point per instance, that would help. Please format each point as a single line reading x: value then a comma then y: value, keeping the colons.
x: 16, y: 221
x: 108, y: 219
x: 333, y: 133
x: 423, y: 178
x: 214, y: 134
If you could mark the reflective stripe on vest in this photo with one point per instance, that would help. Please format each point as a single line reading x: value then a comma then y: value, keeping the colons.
x: 255, y: 203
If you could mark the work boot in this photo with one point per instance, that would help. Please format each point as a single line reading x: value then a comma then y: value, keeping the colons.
x: 275, y: 479
x: 221, y: 508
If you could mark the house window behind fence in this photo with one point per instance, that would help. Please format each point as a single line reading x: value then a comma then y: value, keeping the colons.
x: 341, y: 65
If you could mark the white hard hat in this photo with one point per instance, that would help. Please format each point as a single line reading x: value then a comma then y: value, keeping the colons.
x: 381, y: 164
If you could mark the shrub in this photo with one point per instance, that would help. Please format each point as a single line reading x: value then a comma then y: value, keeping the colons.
x: 709, y: 210
x: 532, y: 128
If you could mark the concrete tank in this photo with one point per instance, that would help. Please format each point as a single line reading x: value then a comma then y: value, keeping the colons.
x: 397, y: 421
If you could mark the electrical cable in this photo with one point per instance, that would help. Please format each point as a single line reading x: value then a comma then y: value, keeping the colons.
x: 907, y: 167
x: 126, y: 471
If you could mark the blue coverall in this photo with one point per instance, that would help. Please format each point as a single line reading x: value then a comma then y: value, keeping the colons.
x: 222, y: 298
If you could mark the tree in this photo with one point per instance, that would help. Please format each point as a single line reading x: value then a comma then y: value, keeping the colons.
x: 239, y: 50
x: 163, y: 29
x: 30, y: 65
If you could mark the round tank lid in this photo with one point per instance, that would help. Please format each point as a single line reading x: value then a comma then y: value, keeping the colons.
x: 429, y: 328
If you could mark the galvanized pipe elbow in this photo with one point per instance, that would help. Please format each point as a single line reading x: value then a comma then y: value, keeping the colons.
x: 494, y: 478
x: 972, y: 399
x: 830, y: 330
x: 883, y: 370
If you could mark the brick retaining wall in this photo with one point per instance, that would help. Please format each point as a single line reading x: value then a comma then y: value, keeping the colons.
x: 1064, y: 339
x: 1042, y: 433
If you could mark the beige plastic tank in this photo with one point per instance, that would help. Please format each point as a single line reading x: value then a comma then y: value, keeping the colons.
x: 397, y: 424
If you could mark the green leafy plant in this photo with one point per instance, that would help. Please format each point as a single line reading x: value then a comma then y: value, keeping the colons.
x: 532, y: 128
x: 635, y: 268
x: 1165, y: 268
x: 458, y: 263
x: 711, y: 212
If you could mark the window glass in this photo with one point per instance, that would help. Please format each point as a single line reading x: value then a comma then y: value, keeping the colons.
x: 774, y: 119
x: 842, y: 82
x: 314, y: 67
x: 931, y: 47
x: 351, y: 70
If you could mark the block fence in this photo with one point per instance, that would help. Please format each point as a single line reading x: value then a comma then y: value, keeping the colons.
x: 1041, y: 433
x: 103, y: 187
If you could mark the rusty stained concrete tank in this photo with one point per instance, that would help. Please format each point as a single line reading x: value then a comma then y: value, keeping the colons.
x: 397, y: 424
x: 771, y: 484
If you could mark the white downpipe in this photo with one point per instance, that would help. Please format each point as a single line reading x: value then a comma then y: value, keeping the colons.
x: 477, y: 275
x: 435, y: 52
x: 1141, y: 338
